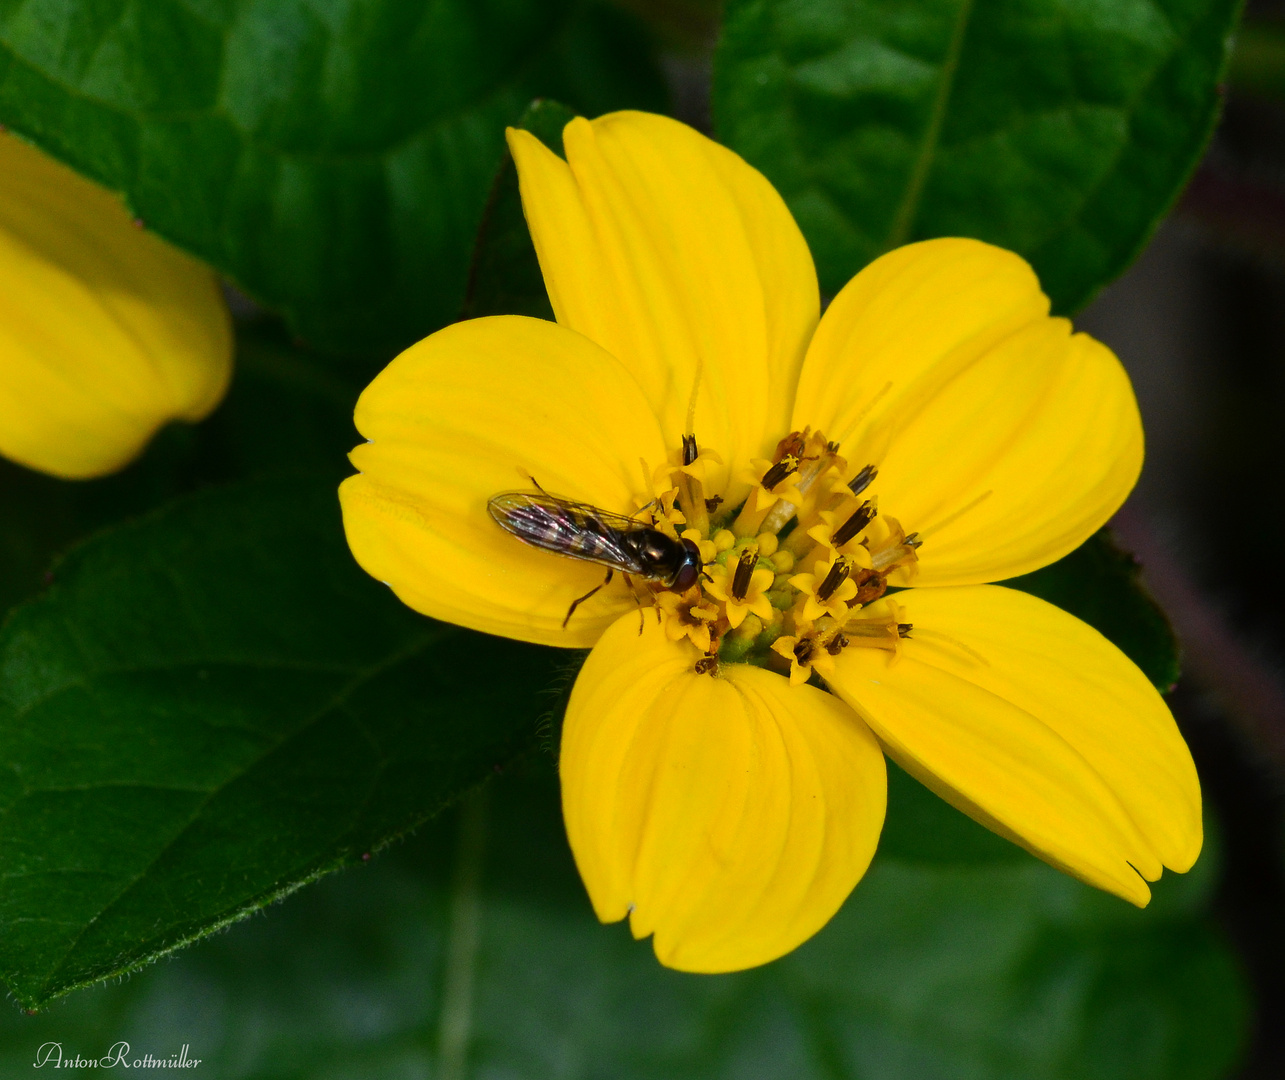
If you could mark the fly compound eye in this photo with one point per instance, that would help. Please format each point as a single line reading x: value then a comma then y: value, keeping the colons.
x: 686, y: 578
x: 690, y: 568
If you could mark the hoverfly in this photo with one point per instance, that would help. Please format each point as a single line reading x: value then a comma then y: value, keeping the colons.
x: 580, y: 531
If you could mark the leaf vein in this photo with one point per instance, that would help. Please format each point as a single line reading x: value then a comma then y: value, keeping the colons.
x: 904, y: 219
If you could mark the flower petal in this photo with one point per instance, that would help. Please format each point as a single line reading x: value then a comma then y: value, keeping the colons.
x: 1033, y: 723
x: 106, y: 332
x: 729, y: 815
x: 1001, y: 437
x: 476, y: 409
x: 672, y: 253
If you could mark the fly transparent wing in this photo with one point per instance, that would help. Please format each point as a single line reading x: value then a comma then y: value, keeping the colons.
x: 577, y: 530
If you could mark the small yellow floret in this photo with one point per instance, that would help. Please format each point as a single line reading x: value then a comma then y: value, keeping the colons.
x: 684, y: 615
x: 806, y: 653
x: 826, y: 592
x: 721, y: 586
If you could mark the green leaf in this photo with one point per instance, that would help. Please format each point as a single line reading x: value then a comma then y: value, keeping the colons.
x: 1060, y: 130
x: 332, y: 158
x: 213, y: 706
x: 472, y: 952
x: 1101, y: 584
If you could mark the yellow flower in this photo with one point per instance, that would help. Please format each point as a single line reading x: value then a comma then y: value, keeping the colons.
x: 106, y: 332
x: 722, y: 809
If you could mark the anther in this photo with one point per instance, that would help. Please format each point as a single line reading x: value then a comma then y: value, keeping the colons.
x: 870, y: 586
x: 778, y: 472
x: 861, y: 517
x: 894, y: 550
x: 813, y: 460
x: 745, y: 572
x: 707, y: 664
x: 803, y: 650
x: 792, y: 445
x: 878, y: 632
x: 691, y: 493
x: 711, y: 505
x: 862, y: 480
x: 836, y: 644
x: 837, y: 576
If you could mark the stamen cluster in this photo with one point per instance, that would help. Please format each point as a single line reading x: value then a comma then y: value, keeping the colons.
x: 789, y: 568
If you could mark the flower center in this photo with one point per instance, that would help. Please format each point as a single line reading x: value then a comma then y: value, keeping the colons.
x: 794, y: 571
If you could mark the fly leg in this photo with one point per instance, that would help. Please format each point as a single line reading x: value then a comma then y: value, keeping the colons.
x: 576, y: 603
x: 638, y: 600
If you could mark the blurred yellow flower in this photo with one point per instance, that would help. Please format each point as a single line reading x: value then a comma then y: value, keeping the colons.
x: 728, y: 796
x: 106, y: 332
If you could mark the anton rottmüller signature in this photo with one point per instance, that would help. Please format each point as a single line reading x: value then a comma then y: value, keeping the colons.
x: 51, y: 1054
